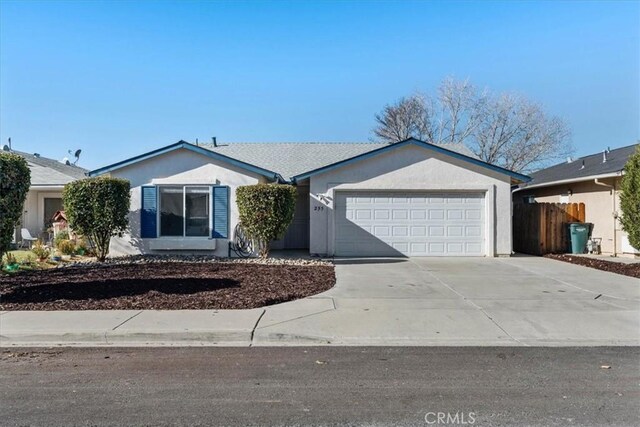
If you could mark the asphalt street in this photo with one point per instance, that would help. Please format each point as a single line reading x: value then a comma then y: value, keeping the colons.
x: 321, y: 386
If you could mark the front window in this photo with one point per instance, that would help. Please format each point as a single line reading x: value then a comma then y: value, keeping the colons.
x: 197, y: 211
x: 185, y: 211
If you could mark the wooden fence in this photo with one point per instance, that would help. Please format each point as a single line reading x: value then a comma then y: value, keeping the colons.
x: 540, y: 228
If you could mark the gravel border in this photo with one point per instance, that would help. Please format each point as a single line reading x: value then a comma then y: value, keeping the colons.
x: 154, y: 259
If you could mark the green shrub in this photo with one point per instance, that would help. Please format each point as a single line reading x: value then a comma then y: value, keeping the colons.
x: 61, y: 236
x: 15, y: 179
x: 98, y: 209
x: 67, y: 247
x: 630, y: 199
x: 266, y: 210
x: 40, y: 251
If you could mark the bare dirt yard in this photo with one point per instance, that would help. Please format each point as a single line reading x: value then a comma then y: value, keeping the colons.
x: 632, y: 270
x: 163, y: 286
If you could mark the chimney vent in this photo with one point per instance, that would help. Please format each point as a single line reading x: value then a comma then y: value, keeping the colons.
x: 604, y: 156
x: 215, y: 142
x: 582, y: 167
x: 569, y: 159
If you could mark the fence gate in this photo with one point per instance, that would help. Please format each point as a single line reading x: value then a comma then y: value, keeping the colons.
x: 540, y: 228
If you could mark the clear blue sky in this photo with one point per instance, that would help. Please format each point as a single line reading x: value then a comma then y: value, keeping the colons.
x: 120, y: 78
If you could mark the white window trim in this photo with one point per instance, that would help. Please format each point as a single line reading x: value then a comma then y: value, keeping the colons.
x: 209, y: 187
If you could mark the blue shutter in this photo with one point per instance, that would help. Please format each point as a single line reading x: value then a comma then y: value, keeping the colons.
x: 148, y: 213
x: 220, y: 198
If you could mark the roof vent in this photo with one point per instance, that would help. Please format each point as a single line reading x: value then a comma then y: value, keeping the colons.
x: 569, y: 159
x: 215, y: 141
x: 608, y: 149
x: 604, y: 156
x: 36, y: 154
x: 6, y: 148
x: 582, y: 167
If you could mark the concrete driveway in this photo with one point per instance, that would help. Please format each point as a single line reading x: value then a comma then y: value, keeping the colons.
x: 461, y: 301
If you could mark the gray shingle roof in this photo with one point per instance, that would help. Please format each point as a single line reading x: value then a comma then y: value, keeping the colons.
x: 46, y: 171
x: 593, y: 166
x: 293, y: 158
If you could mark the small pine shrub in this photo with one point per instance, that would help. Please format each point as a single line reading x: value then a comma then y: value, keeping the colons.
x: 60, y: 237
x: 67, y: 247
x: 40, y: 251
x: 10, y: 259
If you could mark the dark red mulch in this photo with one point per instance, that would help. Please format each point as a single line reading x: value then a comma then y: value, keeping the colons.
x: 632, y: 270
x: 163, y: 286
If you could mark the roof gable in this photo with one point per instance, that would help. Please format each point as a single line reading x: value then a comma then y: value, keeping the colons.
x: 412, y: 141
x: 185, y: 145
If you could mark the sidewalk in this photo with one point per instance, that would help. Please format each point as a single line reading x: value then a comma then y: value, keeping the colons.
x: 421, y: 302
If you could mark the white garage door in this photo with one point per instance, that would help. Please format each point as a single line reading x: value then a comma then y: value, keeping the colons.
x: 409, y: 223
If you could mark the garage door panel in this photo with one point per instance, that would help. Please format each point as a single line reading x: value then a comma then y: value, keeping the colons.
x: 409, y: 223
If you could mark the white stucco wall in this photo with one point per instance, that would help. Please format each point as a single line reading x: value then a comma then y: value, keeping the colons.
x: 180, y: 167
x: 33, y: 212
x: 412, y: 168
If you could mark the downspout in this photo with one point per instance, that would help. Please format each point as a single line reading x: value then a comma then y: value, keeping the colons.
x: 613, y: 212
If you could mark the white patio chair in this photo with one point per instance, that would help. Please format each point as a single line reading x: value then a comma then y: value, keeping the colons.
x: 26, y: 237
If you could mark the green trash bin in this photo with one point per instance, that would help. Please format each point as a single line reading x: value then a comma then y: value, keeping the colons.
x: 579, y: 233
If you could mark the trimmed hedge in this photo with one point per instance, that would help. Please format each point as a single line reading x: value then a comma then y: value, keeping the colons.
x: 98, y: 208
x: 630, y: 199
x: 266, y: 210
x: 15, y: 179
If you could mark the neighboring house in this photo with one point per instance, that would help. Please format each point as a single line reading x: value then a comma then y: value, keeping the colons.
x: 593, y: 180
x: 354, y: 199
x: 48, y: 177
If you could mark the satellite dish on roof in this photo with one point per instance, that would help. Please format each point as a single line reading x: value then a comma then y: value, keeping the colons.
x: 76, y: 155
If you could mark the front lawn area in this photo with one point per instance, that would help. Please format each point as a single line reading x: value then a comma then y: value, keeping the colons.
x: 163, y: 286
x: 27, y: 261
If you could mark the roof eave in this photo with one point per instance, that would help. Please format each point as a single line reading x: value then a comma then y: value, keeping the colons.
x: 571, y: 180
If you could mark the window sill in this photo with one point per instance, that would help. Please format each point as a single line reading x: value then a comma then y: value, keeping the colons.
x: 182, y: 244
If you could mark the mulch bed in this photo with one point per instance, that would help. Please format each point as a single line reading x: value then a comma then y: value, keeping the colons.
x: 632, y: 270
x: 163, y: 286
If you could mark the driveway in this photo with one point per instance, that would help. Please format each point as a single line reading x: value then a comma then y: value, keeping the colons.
x: 461, y: 301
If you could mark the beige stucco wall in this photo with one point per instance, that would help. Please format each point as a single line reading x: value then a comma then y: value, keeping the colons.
x: 411, y: 168
x: 180, y: 167
x: 599, y: 206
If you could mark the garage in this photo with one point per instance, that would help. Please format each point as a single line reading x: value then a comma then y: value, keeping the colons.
x: 409, y: 223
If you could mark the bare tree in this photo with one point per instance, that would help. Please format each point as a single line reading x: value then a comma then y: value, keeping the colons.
x: 409, y: 117
x: 505, y: 129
